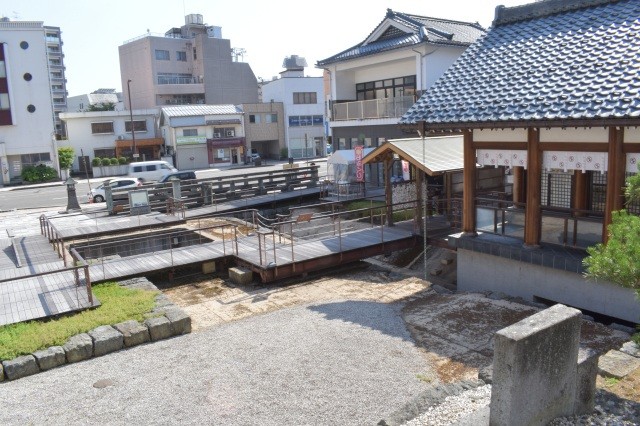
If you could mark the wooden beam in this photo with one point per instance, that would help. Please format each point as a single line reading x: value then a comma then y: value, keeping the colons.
x: 574, y: 146
x: 532, y: 222
x: 521, y: 146
x: 419, y: 174
x: 518, y: 185
x: 469, y: 185
x: 579, y: 191
x: 388, y: 195
x: 615, y: 178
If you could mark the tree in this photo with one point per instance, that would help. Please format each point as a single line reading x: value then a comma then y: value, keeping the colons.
x: 65, y: 157
x: 619, y: 260
x: 107, y: 106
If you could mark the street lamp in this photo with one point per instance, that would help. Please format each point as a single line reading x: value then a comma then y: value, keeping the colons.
x: 133, y: 132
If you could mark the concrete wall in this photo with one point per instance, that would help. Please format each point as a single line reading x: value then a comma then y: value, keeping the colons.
x: 483, y: 272
x: 535, y: 368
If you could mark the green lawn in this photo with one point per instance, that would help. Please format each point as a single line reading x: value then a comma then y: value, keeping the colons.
x: 118, y: 304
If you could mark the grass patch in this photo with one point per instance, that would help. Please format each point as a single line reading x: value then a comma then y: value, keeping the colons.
x: 611, y: 381
x: 379, y: 206
x: 118, y: 304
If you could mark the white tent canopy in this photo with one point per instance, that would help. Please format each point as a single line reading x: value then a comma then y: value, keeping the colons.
x: 341, y: 165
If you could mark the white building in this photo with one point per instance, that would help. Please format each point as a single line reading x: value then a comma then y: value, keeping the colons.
x: 27, y: 135
x: 203, y: 136
x: 107, y: 134
x: 98, y: 97
x: 303, y: 108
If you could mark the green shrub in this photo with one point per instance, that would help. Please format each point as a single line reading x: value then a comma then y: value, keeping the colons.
x: 284, y: 153
x: 122, y: 160
x: 65, y: 157
x: 96, y: 162
x: 113, y: 161
x: 39, y: 173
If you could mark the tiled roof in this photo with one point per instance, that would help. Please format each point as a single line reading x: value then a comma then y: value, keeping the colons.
x: 194, y: 110
x: 575, y: 65
x: 422, y: 29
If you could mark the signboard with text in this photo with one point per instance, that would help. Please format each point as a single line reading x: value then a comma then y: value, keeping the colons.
x: 359, y: 150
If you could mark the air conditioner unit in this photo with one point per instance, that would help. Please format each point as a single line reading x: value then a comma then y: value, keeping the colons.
x: 217, y: 135
x: 231, y: 132
x: 120, y: 137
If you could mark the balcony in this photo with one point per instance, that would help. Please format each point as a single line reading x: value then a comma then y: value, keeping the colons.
x: 374, y: 108
x: 179, y: 80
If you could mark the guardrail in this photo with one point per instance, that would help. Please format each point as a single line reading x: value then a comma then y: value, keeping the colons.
x: 214, y: 191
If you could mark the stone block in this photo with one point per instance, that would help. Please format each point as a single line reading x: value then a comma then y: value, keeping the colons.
x: 534, y: 368
x: 631, y: 348
x: 21, y: 366
x: 208, y: 267
x: 617, y: 364
x: 436, y: 271
x: 586, y: 381
x: 446, y: 261
x: 180, y: 321
x: 486, y: 374
x: 240, y: 276
x: 159, y: 328
x: 50, y: 358
x: 106, y: 339
x: 78, y: 348
x: 133, y: 333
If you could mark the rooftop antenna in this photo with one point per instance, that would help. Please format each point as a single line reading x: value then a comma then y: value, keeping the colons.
x: 238, y: 52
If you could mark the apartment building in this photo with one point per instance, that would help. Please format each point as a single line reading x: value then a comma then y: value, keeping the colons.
x: 303, y: 108
x: 192, y: 64
x: 27, y: 131
x: 55, y: 60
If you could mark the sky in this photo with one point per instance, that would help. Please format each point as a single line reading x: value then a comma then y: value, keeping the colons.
x: 269, y: 31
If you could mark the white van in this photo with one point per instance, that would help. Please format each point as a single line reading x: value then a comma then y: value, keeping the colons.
x: 150, y: 170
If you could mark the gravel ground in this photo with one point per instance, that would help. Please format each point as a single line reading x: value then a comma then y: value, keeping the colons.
x: 343, y: 363
x: 467, y: 407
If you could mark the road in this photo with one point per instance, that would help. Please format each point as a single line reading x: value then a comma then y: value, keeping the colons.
x: 55, y: 195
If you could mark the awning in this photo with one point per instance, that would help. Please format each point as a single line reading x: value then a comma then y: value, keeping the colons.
x: 433, y: 155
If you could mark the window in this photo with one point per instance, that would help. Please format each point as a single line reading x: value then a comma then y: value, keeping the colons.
x: 104, y: 153
x: 390, y: 88
x: 254, y: 118
x: 195, y: 56
x: 55, y: 62
x: 189, y: 132
x: 138, y: 126
x: 271, y: 118
x: 181, y: 56
x: 102, y: 127
x: 56, y: 74
x: 24, y: 45
x: 4, y: 101
x: 175, y: 78
x: 33, y: 159
x: 31, y: 108
x: 162, y: 55
x: 305, y: 98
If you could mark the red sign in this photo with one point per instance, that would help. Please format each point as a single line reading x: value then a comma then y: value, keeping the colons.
x: 359, y: 150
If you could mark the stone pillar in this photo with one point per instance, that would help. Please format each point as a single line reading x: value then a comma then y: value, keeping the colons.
x: 535, y: 368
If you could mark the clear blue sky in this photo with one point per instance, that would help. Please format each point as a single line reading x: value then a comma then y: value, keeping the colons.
x: 268, y: 30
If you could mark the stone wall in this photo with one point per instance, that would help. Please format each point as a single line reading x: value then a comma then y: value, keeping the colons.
x: 166, y: 320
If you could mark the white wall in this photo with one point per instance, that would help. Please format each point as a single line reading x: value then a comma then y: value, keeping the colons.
x: 30, y: 132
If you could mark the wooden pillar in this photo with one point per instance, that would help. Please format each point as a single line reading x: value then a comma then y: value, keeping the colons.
x: 419, y: 174
x: 469, y: 185
x: 532, y: 222
x: 388, y: 195
x: 518, y: 185
x: 615, y: 178
x: 579, y: 192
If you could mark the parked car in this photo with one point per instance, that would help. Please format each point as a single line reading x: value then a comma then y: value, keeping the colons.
x: 150, y: 170
x: 97, y: 194
x: 254, y: 156
x: 177, y: 176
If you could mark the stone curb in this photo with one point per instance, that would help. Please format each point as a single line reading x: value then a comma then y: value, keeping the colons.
x: 165, y: 321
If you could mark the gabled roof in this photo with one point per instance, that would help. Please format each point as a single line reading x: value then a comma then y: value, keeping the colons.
x: 403, y: 29
x: 555, y: 62
x: 195, y: 110
x: 432, y: 155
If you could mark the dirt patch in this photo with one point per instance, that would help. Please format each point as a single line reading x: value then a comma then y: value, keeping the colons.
x: 627, y: 387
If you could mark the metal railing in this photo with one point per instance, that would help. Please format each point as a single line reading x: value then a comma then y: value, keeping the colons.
x: 374, y: 108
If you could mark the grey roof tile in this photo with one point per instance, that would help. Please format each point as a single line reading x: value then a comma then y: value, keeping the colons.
x: 577, y: 64
x: 434, y: 30
x: 195, y: 110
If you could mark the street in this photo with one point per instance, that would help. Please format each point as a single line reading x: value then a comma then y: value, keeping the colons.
x: 55, y: 194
